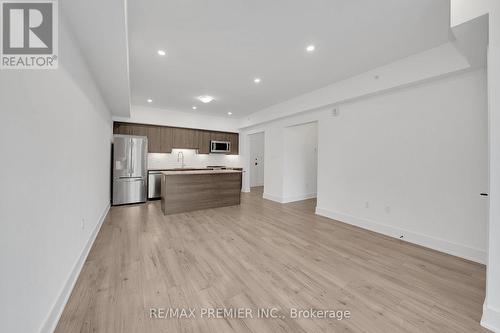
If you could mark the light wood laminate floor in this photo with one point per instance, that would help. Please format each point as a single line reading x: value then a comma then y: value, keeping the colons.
x: 262, y: 254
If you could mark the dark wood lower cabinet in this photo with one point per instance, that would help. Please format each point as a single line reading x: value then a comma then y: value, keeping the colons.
x: 185, y: 192
x: 162, y: 139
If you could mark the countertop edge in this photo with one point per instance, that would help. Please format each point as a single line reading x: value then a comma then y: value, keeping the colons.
x: 199, y: 172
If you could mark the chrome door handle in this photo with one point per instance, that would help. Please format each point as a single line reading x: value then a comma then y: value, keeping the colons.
x: 131, y: 156
x: 130, y: 159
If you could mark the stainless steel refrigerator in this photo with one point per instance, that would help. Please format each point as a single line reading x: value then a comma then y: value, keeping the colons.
x: 129, y: 169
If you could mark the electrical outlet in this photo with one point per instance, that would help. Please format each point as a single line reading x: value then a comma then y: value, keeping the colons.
x: 367, y: 204
x: 83, y: 223
x: 388, y: 209
x: 335, y: 112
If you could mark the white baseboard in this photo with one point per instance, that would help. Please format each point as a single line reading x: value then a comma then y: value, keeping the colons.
x: 288, y: 199
x: 491, y: 319
x: 51, y: 322
x: 272, y: 197
x: 469, y: 253
x: 298, y: 198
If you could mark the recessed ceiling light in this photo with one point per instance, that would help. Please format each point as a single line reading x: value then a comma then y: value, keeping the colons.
x: 194, y: 107
x: 229, y: 113
x: 256, y: 80
x: 310, y: 48
x: 206, y: 98
x: 150, y: 100
x: 162, y: 52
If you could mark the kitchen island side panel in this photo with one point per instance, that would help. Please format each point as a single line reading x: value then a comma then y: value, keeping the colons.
x: 189, y: 192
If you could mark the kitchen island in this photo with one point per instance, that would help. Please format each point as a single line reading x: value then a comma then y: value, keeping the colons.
x: 185, y: 191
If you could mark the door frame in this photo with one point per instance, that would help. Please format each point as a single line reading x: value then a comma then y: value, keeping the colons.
x: 247, y: 136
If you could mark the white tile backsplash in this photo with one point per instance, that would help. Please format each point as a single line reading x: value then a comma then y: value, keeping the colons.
x: 191, y: 159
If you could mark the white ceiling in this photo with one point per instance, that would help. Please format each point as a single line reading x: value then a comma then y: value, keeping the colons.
x: 218, y: 47
x: 104, y: 45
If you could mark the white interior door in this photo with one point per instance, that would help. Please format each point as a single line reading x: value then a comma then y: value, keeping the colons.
x: 257, y: 159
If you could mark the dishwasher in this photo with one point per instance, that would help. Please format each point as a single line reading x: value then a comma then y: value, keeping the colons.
x: 154, y: 185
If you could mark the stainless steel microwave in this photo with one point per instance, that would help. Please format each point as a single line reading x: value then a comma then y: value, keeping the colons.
x: 220, y: 146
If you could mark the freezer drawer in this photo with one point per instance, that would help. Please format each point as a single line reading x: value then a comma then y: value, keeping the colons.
x: 154, y: 185
x: 129, y: 190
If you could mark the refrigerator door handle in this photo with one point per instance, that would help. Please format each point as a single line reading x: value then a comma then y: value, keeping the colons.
x: 130, y: 158
x: 133, y: 152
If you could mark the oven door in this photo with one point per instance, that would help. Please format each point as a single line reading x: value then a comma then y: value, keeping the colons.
x: 220, y: 146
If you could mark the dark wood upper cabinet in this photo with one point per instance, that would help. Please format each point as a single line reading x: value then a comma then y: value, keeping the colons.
x: 166, y: 139
x: 219, y: 136
x: 185, y: 138
x: 234, y: 139
x: 121, y: 128
x: 162, y: 139
x: 154, y: 139
x: 140, y: 130
x: 204, y: 142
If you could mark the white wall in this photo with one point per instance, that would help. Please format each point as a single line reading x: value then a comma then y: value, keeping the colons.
x: 466, y: 10
x: 412, y: 163
x: 101, y: 30
x: 55, y: 136
x: 301, y: 162
x: 274, y: 151
x: 274, y: 164
x: 420, y: 150
x: 155, y: 116
x: 461, y: 11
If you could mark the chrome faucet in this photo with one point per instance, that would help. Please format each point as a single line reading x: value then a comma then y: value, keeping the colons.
x: 180, y: 158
